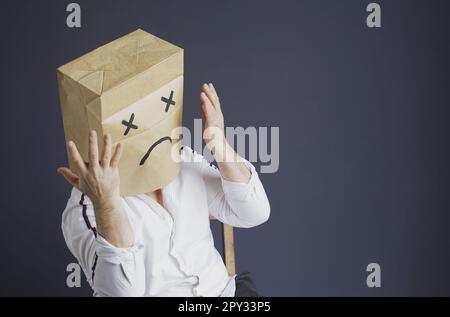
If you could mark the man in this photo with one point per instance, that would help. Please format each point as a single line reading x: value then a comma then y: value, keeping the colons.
x: 160, y: 243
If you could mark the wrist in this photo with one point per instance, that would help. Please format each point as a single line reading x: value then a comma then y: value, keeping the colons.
x: 223, y: 152
x: 106, y: 204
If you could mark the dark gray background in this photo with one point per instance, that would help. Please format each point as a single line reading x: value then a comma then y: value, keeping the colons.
x: 363, y: 134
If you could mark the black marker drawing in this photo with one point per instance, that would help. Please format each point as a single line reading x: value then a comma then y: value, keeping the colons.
x: 129, y: 124
x: 169, y: 102
x: 145, y: 157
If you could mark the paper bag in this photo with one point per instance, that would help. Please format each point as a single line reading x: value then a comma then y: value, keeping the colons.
x: 133, y: 89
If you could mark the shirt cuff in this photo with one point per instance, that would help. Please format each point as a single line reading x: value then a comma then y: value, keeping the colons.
x: 240, y: 191
x: 124, y: 257
x: 114, y: 254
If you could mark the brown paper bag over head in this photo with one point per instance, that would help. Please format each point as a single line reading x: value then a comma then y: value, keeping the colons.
x: 133, y: 89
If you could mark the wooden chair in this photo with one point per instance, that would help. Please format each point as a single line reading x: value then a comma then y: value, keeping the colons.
x: 228, y: 247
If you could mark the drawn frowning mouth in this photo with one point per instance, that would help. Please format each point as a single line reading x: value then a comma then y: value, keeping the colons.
x: 145, y: 157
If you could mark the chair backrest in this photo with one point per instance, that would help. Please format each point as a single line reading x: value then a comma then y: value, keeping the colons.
x: 228, y: 247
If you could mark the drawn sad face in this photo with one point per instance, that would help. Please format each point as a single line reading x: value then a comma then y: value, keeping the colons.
x: 147, y: 131
x: 129, y: 125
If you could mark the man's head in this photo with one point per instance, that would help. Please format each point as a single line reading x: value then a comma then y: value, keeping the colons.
x: 131, y: 88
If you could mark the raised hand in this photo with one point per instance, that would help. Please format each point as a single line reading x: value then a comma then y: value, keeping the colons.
x: 231, y: 165
x: 213, y: 134
x: 100, y: 181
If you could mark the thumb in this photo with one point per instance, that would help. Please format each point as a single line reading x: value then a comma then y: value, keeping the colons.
x: 70, y: 176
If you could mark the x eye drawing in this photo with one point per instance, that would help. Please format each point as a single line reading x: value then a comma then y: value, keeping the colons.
x: 129, y: 124
x: 169, y: 102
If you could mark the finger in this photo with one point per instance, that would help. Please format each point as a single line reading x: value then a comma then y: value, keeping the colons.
x: 207, y: 90
x: 93, y: 149
x: 216, y: 96
x: 75, y: 157
x: 106, y: 153
x: 207, y: 106
x: 70, y: 176
x: 116, y: 156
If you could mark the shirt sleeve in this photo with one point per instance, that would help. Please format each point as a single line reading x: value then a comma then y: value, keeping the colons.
x: 238, y: 204
x: 110, y: 271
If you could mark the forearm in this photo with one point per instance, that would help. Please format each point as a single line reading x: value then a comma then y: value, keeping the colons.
x: 244, y: 203
x: 231, y: 166
x: 112, y: 223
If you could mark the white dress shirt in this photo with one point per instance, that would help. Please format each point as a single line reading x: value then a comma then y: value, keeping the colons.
x: 173, y: 252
